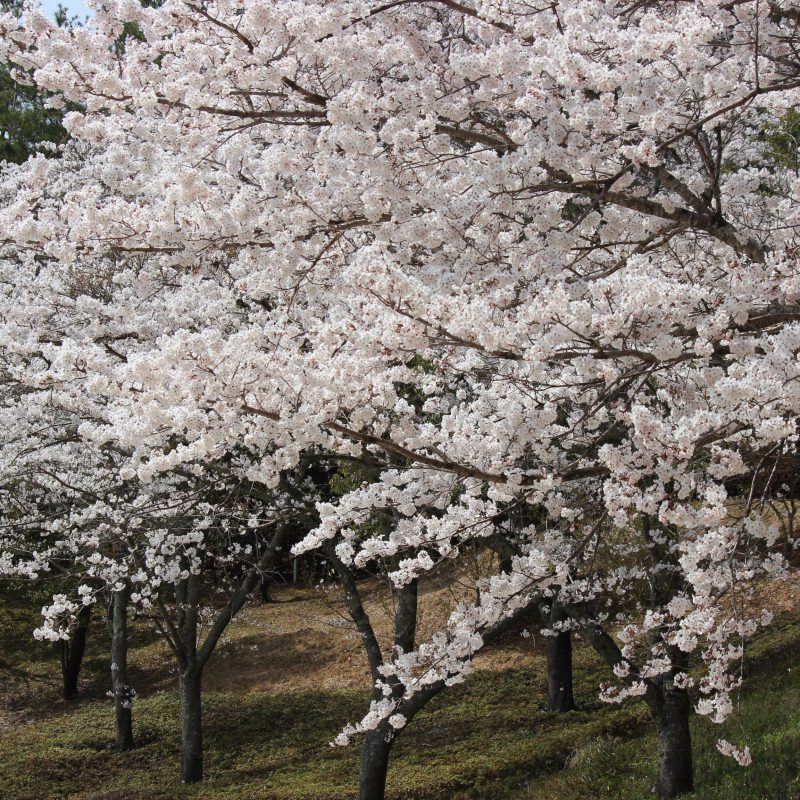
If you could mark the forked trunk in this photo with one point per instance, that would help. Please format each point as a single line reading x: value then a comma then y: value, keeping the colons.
x: 671, y: 709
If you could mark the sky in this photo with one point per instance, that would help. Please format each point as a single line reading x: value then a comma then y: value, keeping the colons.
x: 73, y: 7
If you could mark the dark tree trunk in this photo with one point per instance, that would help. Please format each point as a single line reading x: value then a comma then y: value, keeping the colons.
x: 71, y: 651
x: 671, y: 709
x: 192, y: 660
x: 675, y: 773
x: 374, y: 763
x: 191, y: 726
x: 669, y: 705
x: 123, y: 694
x: 378, y: 743
x: 559, y: 672
x: 265, y: 584
x: 190, y: 672
x: 558, y: 650
x: 405, y: 616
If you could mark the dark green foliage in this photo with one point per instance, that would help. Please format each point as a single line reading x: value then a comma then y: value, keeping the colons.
x: 349, y: 476
x: 25, y: 122
x: 783, y: 138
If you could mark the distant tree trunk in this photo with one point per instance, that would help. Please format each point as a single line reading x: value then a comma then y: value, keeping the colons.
x: 671, y: 714
x: 71, y: 652
x: 191, y: 725
x: 264, y: 586
x: 375, y: 763
x: 123, y: 694
x: 505, y: 551
x: 558, y: 650
x: 559, y: 672
x: 192, y: 658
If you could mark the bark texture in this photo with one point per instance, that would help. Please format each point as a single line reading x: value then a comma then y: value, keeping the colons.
x: 675, y: 771
x: 71, y: 652
x: 669, y: 706
x: 120, y: 685
x: 560, y: 695
x: 191, y: 726
x: 374, y: 765
x: 193, y: 656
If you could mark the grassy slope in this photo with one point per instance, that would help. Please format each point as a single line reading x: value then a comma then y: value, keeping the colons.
x: 489, y: 739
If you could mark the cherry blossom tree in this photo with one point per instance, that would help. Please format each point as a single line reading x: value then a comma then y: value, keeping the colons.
x: 391, y: 708
x: 73, y: 503
x: 572, y: 211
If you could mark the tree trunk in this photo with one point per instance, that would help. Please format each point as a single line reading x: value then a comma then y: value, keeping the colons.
x: 374, y: 763
x: 558, y: 650
x: 671, y: 709
x: 405, y: 616
x: 675, y: 773
x: 670, y: 706
x: 191, y: 726
x: 559, y: 672
x: 264, y: 586
x: 123, y: 694
x: 192, y: 660
x: 71, y: 651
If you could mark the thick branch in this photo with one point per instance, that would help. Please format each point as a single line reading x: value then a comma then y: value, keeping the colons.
x: 358, y: 614
x: 235, y: 603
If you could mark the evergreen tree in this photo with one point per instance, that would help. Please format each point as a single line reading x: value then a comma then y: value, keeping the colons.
x: 25, y: 119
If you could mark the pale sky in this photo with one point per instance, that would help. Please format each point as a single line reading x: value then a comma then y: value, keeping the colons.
x: 73, y: 7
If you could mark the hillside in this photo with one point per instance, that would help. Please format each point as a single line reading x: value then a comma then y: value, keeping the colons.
x: 291, y: 673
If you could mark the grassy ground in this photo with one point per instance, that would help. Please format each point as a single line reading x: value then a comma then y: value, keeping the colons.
x: 267, y: 739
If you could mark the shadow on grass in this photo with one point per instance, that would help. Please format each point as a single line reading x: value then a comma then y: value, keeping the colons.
x: 276, y: 746
x: 489, y: 739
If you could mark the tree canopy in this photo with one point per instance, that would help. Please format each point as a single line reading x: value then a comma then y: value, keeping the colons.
x: 535, y: 265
